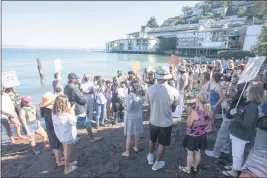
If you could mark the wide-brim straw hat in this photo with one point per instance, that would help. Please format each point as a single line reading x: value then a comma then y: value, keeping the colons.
x: 48, y: 99
x: 163, y: 73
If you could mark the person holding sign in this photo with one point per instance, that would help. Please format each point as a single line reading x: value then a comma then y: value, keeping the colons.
x: 243, y: 127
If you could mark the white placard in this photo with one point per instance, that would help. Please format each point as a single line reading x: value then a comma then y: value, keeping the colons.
x: 57, y: 65
x: 252, y: 68
x: 10, y: 79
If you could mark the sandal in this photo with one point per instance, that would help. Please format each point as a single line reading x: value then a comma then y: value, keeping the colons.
x: 184, y: 169
x: 96, y: 139
x: 124, y: 154
x: 194, y: 168
x: 135, y: 150
x: 72, y: 168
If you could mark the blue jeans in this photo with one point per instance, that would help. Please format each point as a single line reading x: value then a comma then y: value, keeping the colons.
x: 100, y: 113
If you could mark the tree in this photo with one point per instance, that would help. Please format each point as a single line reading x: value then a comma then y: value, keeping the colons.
x: 152, y: 23
x: 241, y: 11
x: 187, y: 10
x: 260, y: 8
x: 260, y: 48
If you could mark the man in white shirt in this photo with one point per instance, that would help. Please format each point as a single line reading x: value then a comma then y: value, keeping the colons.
x: 162, y: 99
x: 89, y: 90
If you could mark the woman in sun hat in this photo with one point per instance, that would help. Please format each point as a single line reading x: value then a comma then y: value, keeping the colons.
x: 31, y: 123
x: 46, y: 112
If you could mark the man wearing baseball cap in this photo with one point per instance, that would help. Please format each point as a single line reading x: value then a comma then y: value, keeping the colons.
x: 76, y: 98
x: 163, y: 100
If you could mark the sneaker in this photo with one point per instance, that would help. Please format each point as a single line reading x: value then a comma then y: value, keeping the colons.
x: 211, y: 154
x: 231, y: 173
x: 227, y: 167
x: 150, y: 158
x: 158, y: 165
x: 36, y: 151
x: 226, y: 151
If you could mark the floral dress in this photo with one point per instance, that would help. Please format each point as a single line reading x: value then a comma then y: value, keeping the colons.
x: 133, y: 120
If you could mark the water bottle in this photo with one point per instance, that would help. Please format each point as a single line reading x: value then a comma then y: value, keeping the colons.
x: 194, y: 92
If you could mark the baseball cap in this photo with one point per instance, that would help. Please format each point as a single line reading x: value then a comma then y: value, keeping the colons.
x: 26, y: 99
x: 72, y: 76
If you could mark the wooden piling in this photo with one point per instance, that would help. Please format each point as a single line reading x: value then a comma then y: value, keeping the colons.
x: 40, y: 69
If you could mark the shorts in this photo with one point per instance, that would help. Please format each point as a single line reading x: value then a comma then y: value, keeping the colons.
x: 4, y: 118
x: 33, y: 127
x: 162, y: 134
x: 83, y: 123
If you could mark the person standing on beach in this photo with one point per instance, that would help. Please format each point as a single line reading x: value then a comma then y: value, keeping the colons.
x: 162, y: 99
x: 31, y: 123
x: 88, y: 89
x: 64, y: 122
x: 46, y: 107
x: 8, y: 115
x: 56, y: 83
x: 76, y: 98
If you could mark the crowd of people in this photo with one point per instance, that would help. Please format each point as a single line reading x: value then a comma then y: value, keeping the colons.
x: 93, y: 102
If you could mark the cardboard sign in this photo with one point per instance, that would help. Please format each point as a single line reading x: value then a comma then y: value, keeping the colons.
x: 252, y: 68
x: 136, y: 66
x: 174, y: 60
x: 57, y: 65
x: 10, y: 79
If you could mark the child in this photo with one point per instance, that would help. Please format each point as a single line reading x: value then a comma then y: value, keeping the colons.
x: 195, y: 139
x: 64, y: 122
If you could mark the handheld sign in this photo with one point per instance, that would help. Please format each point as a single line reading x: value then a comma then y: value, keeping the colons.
x: 252, y: 68
x: 136, y: 66
x: 57, y: 65
x: 174, y: 60
x: 10, y: 79
x: 250, y: 72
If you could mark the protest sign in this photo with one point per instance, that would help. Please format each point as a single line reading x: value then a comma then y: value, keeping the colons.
x: 57, y: 65
x: 10, y: 79
x: 174, y: 60
x: 252, y: 68
x: 136, y: 66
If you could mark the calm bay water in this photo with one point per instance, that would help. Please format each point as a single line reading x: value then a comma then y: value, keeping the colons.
x: 23, y: 61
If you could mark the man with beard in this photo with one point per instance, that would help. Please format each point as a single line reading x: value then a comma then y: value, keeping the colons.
x: 76, y: 98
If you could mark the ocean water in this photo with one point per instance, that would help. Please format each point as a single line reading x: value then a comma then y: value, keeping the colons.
x: 23, y: 61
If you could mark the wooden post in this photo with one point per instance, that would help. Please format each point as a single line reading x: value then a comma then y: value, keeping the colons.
x: 40, y: 69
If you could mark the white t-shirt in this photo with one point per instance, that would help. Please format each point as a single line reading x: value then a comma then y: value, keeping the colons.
x: 65, y: 128
x: 161, y: 97
x: 88, y: 86
x: 100, y: 98
x: 7, y: 104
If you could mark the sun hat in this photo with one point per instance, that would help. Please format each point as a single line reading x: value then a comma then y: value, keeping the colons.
x: 163, y: 73
x: 72, y: 76
x: 47, y: 99
x: 26, y: 99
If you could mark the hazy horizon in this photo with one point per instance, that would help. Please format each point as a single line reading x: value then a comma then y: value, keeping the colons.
x: 78, y: 25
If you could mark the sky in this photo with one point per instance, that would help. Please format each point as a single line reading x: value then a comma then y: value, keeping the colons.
x: 79, y: 25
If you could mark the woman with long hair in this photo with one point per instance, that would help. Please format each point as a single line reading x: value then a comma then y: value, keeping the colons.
x: 134, y: 121
x: 195, y: 139
x: 64, y: 122
x: 243, y: 127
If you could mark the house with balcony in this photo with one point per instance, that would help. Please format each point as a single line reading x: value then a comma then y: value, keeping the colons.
x: 136, y: 42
